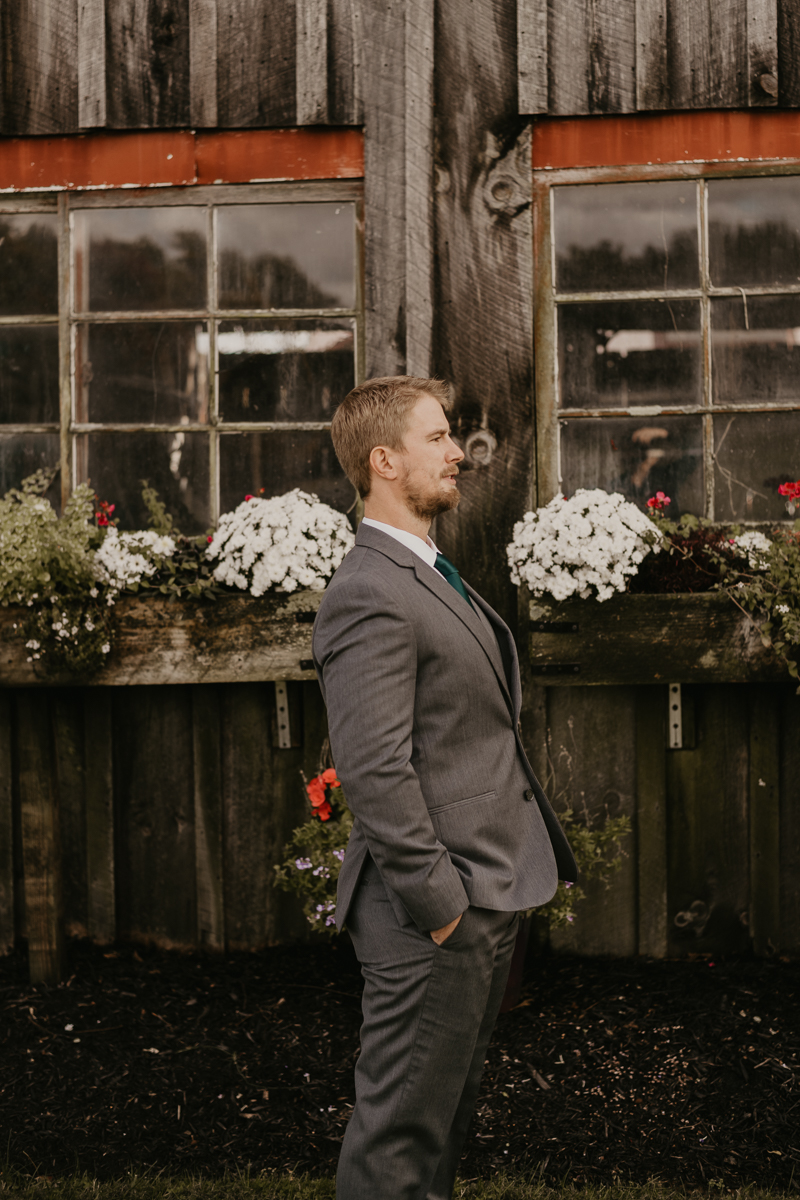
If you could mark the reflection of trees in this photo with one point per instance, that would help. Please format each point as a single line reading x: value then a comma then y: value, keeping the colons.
x: 28, y: 269
x: 607, y: 266
x: 133, y: 274
x: 268, y: 281
x: 754, y: 254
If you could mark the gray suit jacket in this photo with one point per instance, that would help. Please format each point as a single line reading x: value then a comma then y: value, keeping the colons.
x: 423, y: 699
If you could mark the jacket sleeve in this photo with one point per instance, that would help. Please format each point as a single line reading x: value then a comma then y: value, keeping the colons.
x: 365, y: 653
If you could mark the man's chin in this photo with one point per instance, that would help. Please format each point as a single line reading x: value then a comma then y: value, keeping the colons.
x: 434, y: 506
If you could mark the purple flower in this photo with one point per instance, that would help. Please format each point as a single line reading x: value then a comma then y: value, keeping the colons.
x: 302, y: 864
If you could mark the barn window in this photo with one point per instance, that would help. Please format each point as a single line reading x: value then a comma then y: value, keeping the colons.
x: 196, y: 337
x: 669, y: 338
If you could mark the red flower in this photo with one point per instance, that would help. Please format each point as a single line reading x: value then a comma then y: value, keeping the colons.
x: 249, y: 497
x: 658, y: 501
x: 102, y: 519
x: 317, y: 789
x: 324, y: 811
x: 329, y: 777
x: 209, y: 538
x: 790, y: 490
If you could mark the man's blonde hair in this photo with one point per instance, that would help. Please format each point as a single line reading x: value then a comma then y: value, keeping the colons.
x: 376, y: 414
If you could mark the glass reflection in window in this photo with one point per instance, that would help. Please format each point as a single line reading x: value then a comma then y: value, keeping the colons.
x: 754, y: 453
x: 278, y: 462
x: 755, y: 343
x: 28, y: 264
x: 29, y: 374
x: 754, y: 231
x: 175, y: 464
x: 22, y: 454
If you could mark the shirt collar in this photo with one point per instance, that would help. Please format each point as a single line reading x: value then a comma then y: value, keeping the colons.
x: 426, y: 550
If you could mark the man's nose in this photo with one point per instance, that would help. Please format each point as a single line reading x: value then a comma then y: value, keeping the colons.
x: 454, y: 451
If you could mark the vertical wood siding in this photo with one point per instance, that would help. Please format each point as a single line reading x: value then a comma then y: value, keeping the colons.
x: 147, y: 63
x: 38, y: 41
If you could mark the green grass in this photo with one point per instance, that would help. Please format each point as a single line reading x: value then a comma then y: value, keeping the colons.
x: 502, y: 1187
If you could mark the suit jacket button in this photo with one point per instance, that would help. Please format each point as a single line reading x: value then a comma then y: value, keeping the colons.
x: 528, y: 794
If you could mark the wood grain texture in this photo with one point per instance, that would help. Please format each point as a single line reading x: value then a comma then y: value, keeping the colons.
x: 208, y: 824
x: 649, y: 639
x: 155, y: 838
x: 256, y: 63
x: 483, y: 333
x: 789, y: 861
x: 652, y: 78
x: 532, y: 56
x: 6, y: 827
x: 592, y: 56
x: 380, y: 37
x: 203, y: 63
x: 234, y: 639
x: 762, y: 52
x: 100, y: 865
x: 147, y: 63
x: 39, y: 47
x: 592, y: 769
x: 651, y: 820
x: 344, y: 106
x: 91, y: 63
x: 707, y: 828
x: 419, y: 185
x: 41, y: 842
x: 68, y: 735
x: 788, y: 53
x: 764, y: 805
x: 707, y: 49
x: 312, y: 62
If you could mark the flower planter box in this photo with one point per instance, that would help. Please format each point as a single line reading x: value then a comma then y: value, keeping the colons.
x: 160, y: 640
x: 637, y: 639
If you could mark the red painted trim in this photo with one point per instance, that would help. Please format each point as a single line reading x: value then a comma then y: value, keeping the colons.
x: 159, y: 158
x: 707, y: 136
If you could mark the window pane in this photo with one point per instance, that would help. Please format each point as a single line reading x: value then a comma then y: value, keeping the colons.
x: 28, y: 264
x: 754, y: 231
x: 286, y: 255
x: 754, y: 453
x: 295, y: 371
x: 22, y: 454
x: 29, y: 373
x: 278, y: 462
x: 144, y: 373
x: 130, y: 259
x: 626, y: 353
x: 760, y: 363
x: 636, y: 457
x: 626, y: 235
x: 175, y: 464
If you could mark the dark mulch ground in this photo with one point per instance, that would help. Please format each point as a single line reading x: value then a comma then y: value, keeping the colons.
x: 687, y: 1070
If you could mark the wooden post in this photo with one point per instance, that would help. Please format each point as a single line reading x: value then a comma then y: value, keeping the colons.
x: 207, y: 753
x: 651, y: 819
x: 100, y: 875
x: 765, y: 909
x: 6, y: 829
x: 41, y: 845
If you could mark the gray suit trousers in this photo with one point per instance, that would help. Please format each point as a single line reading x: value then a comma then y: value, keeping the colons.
x: 429, y: 1012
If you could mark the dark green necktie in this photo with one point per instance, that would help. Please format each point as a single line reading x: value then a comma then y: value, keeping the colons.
x: 446, y: 568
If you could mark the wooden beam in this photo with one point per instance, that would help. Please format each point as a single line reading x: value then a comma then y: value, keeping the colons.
x: 312, y: 62
x: 532, y: 56
x: 762, y: 53
x: 6, y: 828
x: 419, y: 185
x: 100, y: 871
x: 652, y: 80
x: 651, y: 820
x: 91, y: 63
x: 41, y: 844
x: 208, y: 813
x: 764, y: 803
x: 203, y: 63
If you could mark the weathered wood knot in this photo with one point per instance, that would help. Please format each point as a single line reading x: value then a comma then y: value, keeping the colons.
x: 769, y: 84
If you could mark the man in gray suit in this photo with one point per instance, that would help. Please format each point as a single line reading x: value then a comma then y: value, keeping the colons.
x: 453, y: 834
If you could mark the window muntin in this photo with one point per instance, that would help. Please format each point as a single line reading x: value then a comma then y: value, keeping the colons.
x: 190, y: 321
x: 674, y: 310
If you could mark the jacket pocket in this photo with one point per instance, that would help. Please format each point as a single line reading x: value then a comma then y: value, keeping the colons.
x: 441, y: 808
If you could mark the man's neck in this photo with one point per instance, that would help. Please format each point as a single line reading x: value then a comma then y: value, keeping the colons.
x: 398, y: 515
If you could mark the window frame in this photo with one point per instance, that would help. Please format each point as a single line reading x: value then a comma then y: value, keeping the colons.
x: 69, y: 318
x: 547, y: 466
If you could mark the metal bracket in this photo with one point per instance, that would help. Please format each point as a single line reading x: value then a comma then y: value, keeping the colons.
x: 556, y: 668
x: 282, y: 710
x: 674, y: 717
x: 553, y: 627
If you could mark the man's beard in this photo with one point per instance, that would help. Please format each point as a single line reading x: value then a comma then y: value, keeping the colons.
x: 426, y: 506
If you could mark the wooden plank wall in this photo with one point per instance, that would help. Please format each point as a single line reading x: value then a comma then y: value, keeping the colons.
x: 618, y: 56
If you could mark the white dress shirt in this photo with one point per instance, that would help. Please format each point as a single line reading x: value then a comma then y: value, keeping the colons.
x: 426, y: 550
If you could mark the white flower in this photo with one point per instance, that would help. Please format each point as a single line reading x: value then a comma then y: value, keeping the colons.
x: 283, y: 543
x: 92, y: 593
x: 106, y: 649
x: 125, y: 558
x: 588, y: 544
x: 753, y: 546
x: 781, y: 608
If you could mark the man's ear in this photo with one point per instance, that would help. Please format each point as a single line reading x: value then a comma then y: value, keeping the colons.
x: 382, y: 462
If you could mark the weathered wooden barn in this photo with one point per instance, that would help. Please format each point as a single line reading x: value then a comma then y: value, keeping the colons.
x: 216, y: 215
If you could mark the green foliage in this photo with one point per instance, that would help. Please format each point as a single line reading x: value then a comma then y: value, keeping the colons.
x: 597, y: 845
x: 47, y: 566
x: 160, y: 519
x: 313, y: 861
x: 770, y: 593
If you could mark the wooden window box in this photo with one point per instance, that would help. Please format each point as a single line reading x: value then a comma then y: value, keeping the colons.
x: 638, y: 639
x: 237, y: 639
